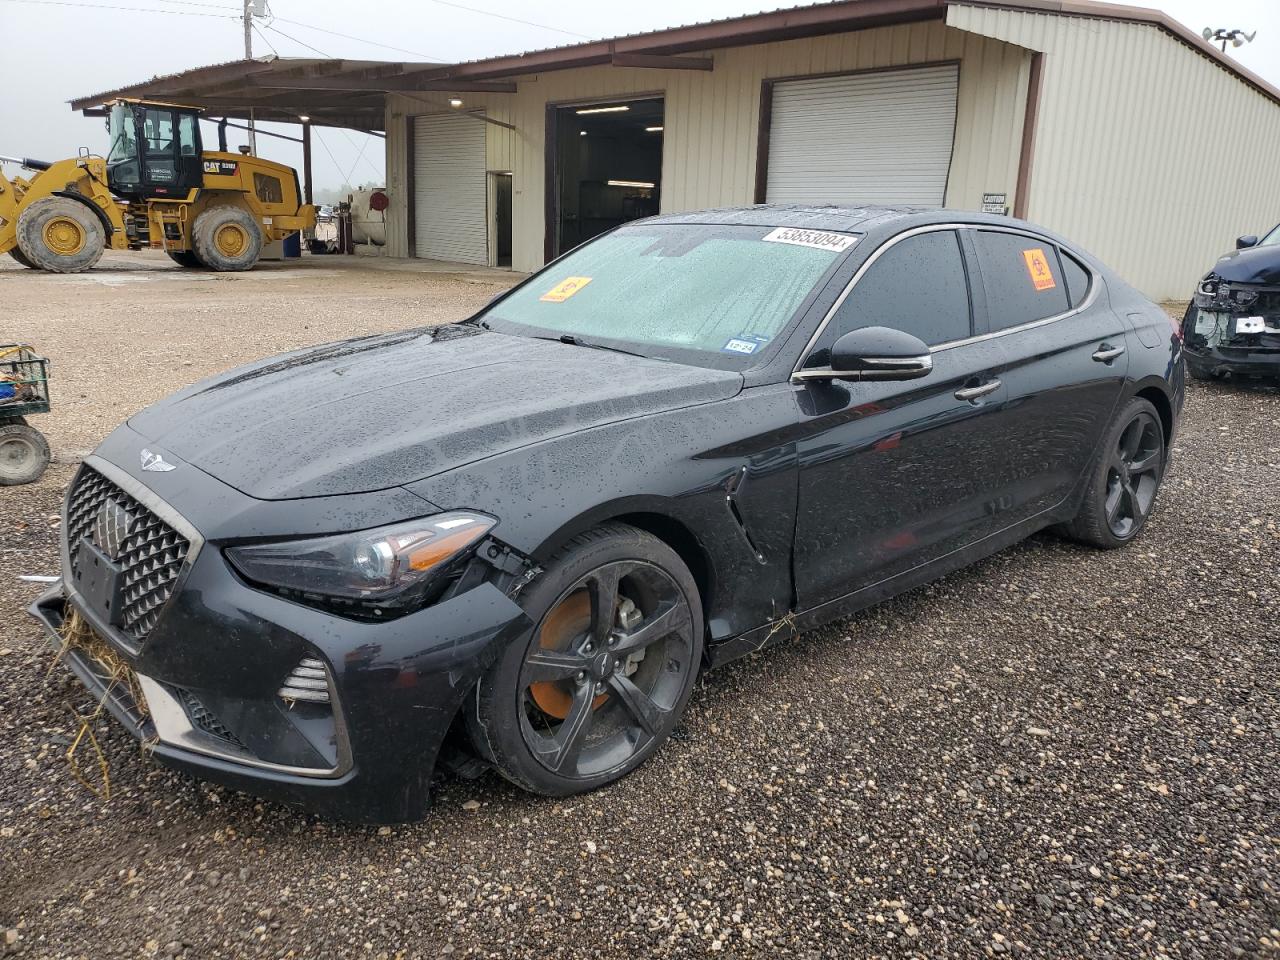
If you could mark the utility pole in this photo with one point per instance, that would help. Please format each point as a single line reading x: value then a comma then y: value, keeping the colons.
x: 249, y: 7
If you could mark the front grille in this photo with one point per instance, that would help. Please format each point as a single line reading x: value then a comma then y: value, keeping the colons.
x: 149, y: 551
x: 202, y: 719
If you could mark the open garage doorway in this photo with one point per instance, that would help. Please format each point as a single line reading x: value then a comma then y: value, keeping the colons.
x: 604, y: 168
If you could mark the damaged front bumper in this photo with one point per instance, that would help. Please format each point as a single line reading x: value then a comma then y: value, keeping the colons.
x: 1233, y: 329
x: 369, y: 756
x: 244, y: 686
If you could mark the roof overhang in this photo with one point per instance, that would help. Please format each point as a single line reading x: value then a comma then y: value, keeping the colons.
x: 352, y: 93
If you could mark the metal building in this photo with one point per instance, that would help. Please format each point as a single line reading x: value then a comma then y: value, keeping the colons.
x: 1100, y: 121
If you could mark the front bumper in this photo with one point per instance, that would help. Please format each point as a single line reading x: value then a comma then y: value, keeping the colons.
x: 211, y: 669
x: 1218, y: 343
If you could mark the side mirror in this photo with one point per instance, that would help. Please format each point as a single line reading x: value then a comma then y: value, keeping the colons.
x: 1249, y: 240
x: 875, y: 353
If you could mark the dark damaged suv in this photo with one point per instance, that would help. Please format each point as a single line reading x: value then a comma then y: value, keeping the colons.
x: 1232, y: 327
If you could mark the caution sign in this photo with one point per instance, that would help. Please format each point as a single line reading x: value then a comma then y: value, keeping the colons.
x: 1038, y: 267
x: 565, y: 289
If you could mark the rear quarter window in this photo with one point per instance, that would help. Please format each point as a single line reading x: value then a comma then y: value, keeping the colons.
x: 1077, y: 278
x: 1022, y: 276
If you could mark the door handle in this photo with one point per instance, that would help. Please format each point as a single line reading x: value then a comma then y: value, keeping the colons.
x: 1106, y: 353
x: 978, y: 392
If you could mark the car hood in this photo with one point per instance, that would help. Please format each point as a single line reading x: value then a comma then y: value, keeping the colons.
x: 380, y: 412
x: 1258, y: 265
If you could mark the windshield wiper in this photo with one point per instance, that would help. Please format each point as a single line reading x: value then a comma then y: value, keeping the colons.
x: 576, y: 341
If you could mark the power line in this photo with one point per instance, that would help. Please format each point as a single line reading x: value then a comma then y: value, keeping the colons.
x: 275, y: 29
x: 379, y: 173
x: 347, y: 36
x: 265, y: 40
x: 197, y: 3
x: 106, y: 6
x: 503, y: 16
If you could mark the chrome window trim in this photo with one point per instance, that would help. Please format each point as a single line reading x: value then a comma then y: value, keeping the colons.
x: 797, y: 372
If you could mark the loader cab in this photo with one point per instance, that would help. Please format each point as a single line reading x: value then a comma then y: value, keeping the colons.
x: 155, y: 150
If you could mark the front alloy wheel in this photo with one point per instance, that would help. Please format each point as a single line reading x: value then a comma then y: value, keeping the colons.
x: 607, y: 672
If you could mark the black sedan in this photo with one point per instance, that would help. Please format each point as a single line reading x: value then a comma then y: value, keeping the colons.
x: 1232, y: 326
x: 517, y: 540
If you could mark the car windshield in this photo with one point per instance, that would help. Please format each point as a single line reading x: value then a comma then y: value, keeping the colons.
x: 707, y: 294
x: 1271, y: 239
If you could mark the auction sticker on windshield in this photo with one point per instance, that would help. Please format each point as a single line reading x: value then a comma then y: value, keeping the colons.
x: 819, y: 239
x: 565, y: 289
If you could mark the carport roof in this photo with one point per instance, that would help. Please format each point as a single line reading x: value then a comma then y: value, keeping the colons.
x: 350, y: 93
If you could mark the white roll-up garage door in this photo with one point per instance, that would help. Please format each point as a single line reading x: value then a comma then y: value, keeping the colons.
x: 450, y: 194
x: 871, y: 138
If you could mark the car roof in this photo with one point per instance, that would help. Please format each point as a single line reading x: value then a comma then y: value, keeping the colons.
x: 840, y: 218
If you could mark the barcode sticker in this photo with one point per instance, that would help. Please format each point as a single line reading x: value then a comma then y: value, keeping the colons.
x: 818, y: 239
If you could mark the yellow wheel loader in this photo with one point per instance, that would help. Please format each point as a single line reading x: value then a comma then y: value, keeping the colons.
x: 155, y: 188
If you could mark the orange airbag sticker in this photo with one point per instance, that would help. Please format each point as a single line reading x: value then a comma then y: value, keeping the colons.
x: 565, y: 289
x: 1038, y: 267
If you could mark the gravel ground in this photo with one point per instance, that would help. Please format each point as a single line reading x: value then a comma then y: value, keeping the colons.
x: 1055, y: 753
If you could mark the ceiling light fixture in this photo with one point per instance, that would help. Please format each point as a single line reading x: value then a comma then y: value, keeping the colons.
x: 652, y: 129
x: 631, y: 183
x: 619, y: 109
x: 455, y: 101
x: 304, y: 118
x: 582, y: 133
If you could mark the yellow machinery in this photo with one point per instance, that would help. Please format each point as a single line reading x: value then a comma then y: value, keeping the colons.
x: 155, y: 188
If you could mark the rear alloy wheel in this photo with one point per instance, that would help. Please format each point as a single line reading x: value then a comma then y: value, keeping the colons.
x: 60, y: 235
x: 606, y: 674
x: 226, y: 239
x: 1122, y: 490
x: 24, y: 454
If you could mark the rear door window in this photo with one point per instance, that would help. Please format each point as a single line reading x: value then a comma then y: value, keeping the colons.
x: 1022, y: 277
x: 917, y: 286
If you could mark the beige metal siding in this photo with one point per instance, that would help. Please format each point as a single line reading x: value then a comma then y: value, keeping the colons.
x: 1147, y: 153
x: 712, y: 119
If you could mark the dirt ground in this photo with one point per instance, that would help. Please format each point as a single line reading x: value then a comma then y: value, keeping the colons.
x: 1055, y: 753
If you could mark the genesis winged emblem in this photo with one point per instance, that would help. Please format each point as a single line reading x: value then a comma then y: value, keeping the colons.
x: 155, y: 463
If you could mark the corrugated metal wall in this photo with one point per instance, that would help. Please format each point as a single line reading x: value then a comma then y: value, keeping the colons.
x: 712, y: 120
x: 1147, y: 153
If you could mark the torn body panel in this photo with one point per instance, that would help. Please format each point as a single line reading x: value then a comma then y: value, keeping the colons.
x: 1233, y: 328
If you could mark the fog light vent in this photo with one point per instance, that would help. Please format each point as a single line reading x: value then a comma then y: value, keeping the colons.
x: 308, y: 681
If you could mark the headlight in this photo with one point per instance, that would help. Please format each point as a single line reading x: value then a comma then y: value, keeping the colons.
x: 389, y: 566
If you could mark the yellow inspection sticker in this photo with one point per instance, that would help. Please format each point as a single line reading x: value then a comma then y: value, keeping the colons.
x: 565, y: 289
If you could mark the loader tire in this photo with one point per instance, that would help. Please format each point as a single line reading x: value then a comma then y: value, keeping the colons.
x: 18, y: 255
x: 227, y: 239
x: 60, y: 235
x: 185, y: 258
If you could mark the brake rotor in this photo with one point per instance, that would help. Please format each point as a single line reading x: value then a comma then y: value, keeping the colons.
x: 567, y: 621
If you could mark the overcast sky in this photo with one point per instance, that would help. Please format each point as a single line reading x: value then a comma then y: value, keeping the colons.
x: 55, y: 50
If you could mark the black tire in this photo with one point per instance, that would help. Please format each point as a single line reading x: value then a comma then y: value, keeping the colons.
x: 185, y: 258
x: 621, y: 681
x: 18, y: 255
x: 227, y: 239
x: 60, y: 235
x: 24, y: 454
x: 1124, y: 481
